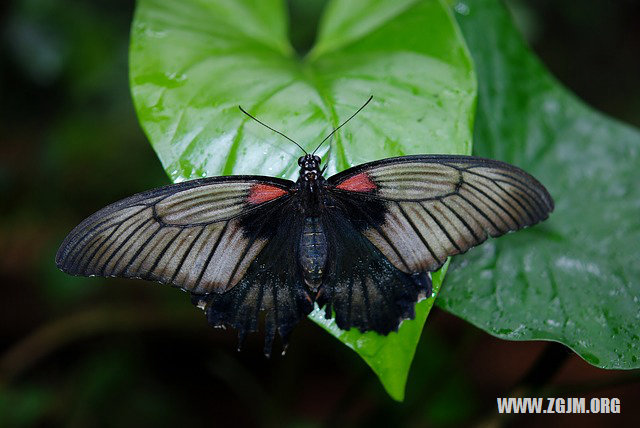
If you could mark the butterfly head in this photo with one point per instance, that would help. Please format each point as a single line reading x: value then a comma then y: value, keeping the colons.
x: 309, y: 167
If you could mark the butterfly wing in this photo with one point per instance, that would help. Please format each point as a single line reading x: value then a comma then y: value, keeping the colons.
x: 214, y: 237
x: 418, y: 210
x: 361, y: 285
x: 186, y: 234
x: 273, y: 282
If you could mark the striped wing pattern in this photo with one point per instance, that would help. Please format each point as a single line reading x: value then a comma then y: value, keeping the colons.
x: 437, y: 206
x: 188, y: 234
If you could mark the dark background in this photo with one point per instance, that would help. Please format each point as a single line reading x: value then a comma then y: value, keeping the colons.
x: 79, y: 352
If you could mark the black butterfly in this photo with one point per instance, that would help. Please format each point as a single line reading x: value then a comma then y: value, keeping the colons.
x: 360, y: 243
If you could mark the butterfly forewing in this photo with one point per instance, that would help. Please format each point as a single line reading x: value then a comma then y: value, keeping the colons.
x: 437, y: 206
x: 189, y: 234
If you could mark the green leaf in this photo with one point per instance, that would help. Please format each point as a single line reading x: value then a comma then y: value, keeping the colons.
x: 194, y: 61
x: 574, y: 279
x: 389, y: 356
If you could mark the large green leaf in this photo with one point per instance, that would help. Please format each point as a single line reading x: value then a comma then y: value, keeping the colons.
x: 389, y: 356
x: 193, y: 62
x: 574, y: 279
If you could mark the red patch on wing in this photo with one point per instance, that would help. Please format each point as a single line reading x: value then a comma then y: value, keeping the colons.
x: 260, y: 193
x: 358, y: 183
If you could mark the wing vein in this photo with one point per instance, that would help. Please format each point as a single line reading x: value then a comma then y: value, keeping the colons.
x: 141, y: 249
x: 526, y: 210
x: 482, y: 213
x: 417, y: 231
x: 532, y: 200
x: 444, y: 230
x: 210, y: 256
x: 533, y: 192
x: 186, y: 255
x: 499, y: 196
x: 93, y: 232
x: 495, y: 203
x: 98, y: 245
x: 122, y: 244
x: 463, y: 221
x: 163, y: 251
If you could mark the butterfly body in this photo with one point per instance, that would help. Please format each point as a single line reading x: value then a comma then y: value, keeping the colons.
x: 360, y: 244
x: 313, y: 252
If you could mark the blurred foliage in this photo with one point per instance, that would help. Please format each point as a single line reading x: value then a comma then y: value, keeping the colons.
x: 590, y: 46
x: 137, y: 355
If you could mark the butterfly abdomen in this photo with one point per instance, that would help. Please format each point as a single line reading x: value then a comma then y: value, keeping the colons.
x: 313, y: 252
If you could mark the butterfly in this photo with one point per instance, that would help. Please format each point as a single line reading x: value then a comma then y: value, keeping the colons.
x: 361, y: 243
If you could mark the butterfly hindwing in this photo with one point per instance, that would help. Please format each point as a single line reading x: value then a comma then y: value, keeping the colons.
x: 361, y: 285
x: 272, y: 283
x: 431, y: 207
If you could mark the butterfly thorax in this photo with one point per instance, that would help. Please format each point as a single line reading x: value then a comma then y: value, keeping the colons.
x: 310, y: 184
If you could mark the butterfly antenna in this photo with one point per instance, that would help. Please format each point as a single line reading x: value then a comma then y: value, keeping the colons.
x: 342, y: 124
x: 274, y: 130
